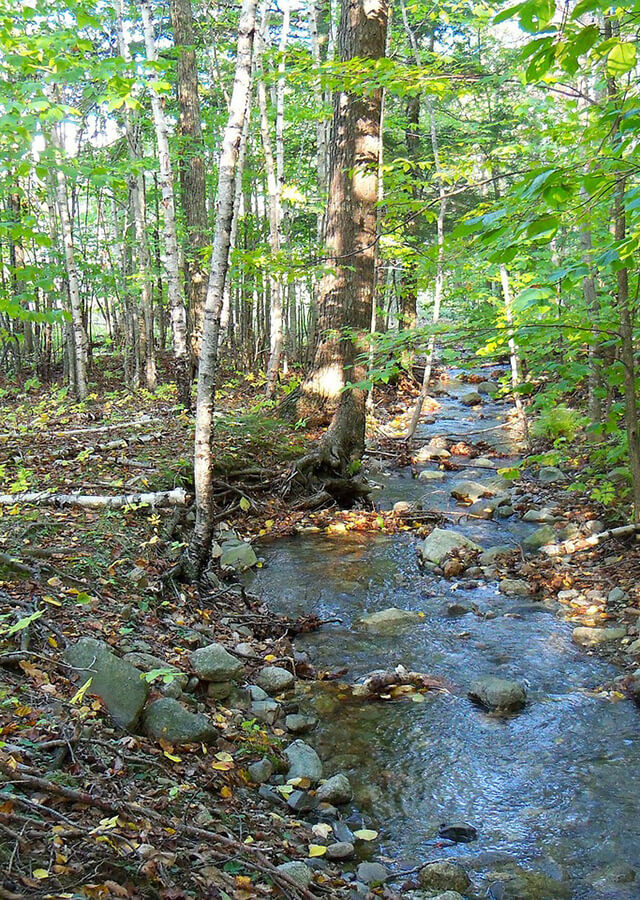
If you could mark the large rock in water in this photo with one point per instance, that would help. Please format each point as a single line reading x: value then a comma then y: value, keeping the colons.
x: 444, y: 875
x: 303, y: 761
x: 119, y: 685
x: 470, y: 490
x: 540, y: 538
x: 488, y: 387
x: 169, y: 720
x: 441, y: 543
x: 388, y: 619
x: 471, y: 399
x: 214, y: 663
x: 498, y: 694
x: 237, y: 554
x: 595, y: 637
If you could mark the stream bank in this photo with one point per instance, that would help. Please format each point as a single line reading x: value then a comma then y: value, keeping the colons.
x: 546, y: 788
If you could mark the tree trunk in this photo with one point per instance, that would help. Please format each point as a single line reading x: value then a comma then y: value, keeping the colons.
x: 171, y: 259
x: 193, y: 183
x: 77, y: 330
x: 516, y: 374
x: 346, y: 292
x: 208, y: 368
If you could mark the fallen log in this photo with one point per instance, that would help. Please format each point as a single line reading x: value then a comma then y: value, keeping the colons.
x: 175, y: 497
x: 565, y: 548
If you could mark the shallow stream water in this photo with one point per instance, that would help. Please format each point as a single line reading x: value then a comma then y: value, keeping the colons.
x: 554, y: 788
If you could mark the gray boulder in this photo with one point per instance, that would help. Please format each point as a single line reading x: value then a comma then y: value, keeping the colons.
x: 340, y: 850
x: 237, y: 554
x: 488, y: 387
x: 516, y: 587
x: 539, y: 515
x: 303, y: 761
x: 300, y: 724
x: 214, y: 663
x: 441, y: 543
x: 335, y: 790
x: 297, y: 871
x: 550, y: 474
x: 274, y: 679
x: 169, y: 720
x: 372, y: 873
x: 266, y: 711
x: 471, y: 399
x: 388, y: 619
x: 470, y: 490
x: 261, y: 770
x: 119, y: 685
x: 540, y: 538
x: 498, y: 694
x: 444, y: 875
x: 431, y: 475
x: 595, y: 637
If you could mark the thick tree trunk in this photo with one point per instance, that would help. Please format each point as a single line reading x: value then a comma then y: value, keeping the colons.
x: 193, y: 183
x: 346, y: 292
x: 208, y: 368
x: 171, y: 258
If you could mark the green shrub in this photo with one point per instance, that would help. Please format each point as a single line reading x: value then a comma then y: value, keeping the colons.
x: 557, y: 422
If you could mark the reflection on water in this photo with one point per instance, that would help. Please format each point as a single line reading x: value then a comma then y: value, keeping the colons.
x: 555, y: 787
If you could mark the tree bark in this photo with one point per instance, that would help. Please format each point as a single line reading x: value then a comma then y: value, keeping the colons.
x: 171, y: 258
x: 193, y: 183
x: 346, y: 292
x: 208, y: 368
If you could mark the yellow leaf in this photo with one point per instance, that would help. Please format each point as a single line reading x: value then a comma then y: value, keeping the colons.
x: 221, y: 766
x: 23, y: 711
x: 40, y: 873
x: 248, y: 840
x: 225, y: 792
x: 317, y: 850
x: 172, y: 757
x: 366, y: 834
x: 270, y: 657
x: 52, y: 641
x: 223, y: 756
x: 78, y: 696
x: 52, y: 601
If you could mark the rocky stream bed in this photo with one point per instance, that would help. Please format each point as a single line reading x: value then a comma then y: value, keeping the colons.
x: 545, y: 780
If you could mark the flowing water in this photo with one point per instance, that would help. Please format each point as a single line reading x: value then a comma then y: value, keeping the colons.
x: 553, y: 788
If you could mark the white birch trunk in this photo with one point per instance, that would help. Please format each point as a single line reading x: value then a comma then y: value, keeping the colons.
x: 207, y: 371
x: 516, y: 376
x: 171, y: 255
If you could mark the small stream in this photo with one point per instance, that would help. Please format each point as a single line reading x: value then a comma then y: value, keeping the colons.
x: 553, y: 788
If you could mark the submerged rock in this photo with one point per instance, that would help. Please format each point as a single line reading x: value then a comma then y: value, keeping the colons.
x: 498, y: 694
x: 513, y: 882
x: 444, y: 875
x: 299, y: 724
x: 303, y: 761
x: 431, y: 475
x: 119, y: 685
x: 388, y: 619
x: 441, y: 543
x: 594, y: 637
x: 168, y: 720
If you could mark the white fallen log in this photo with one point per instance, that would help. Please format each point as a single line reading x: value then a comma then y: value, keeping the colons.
x: 175, y: 497
x: 566, y: 548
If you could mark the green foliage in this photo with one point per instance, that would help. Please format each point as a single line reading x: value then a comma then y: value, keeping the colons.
x: 557, y: 422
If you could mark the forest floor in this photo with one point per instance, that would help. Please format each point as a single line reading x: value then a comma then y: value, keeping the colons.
x: 87, y: 810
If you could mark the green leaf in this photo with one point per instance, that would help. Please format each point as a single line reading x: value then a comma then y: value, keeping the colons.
x: 621, y: 58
